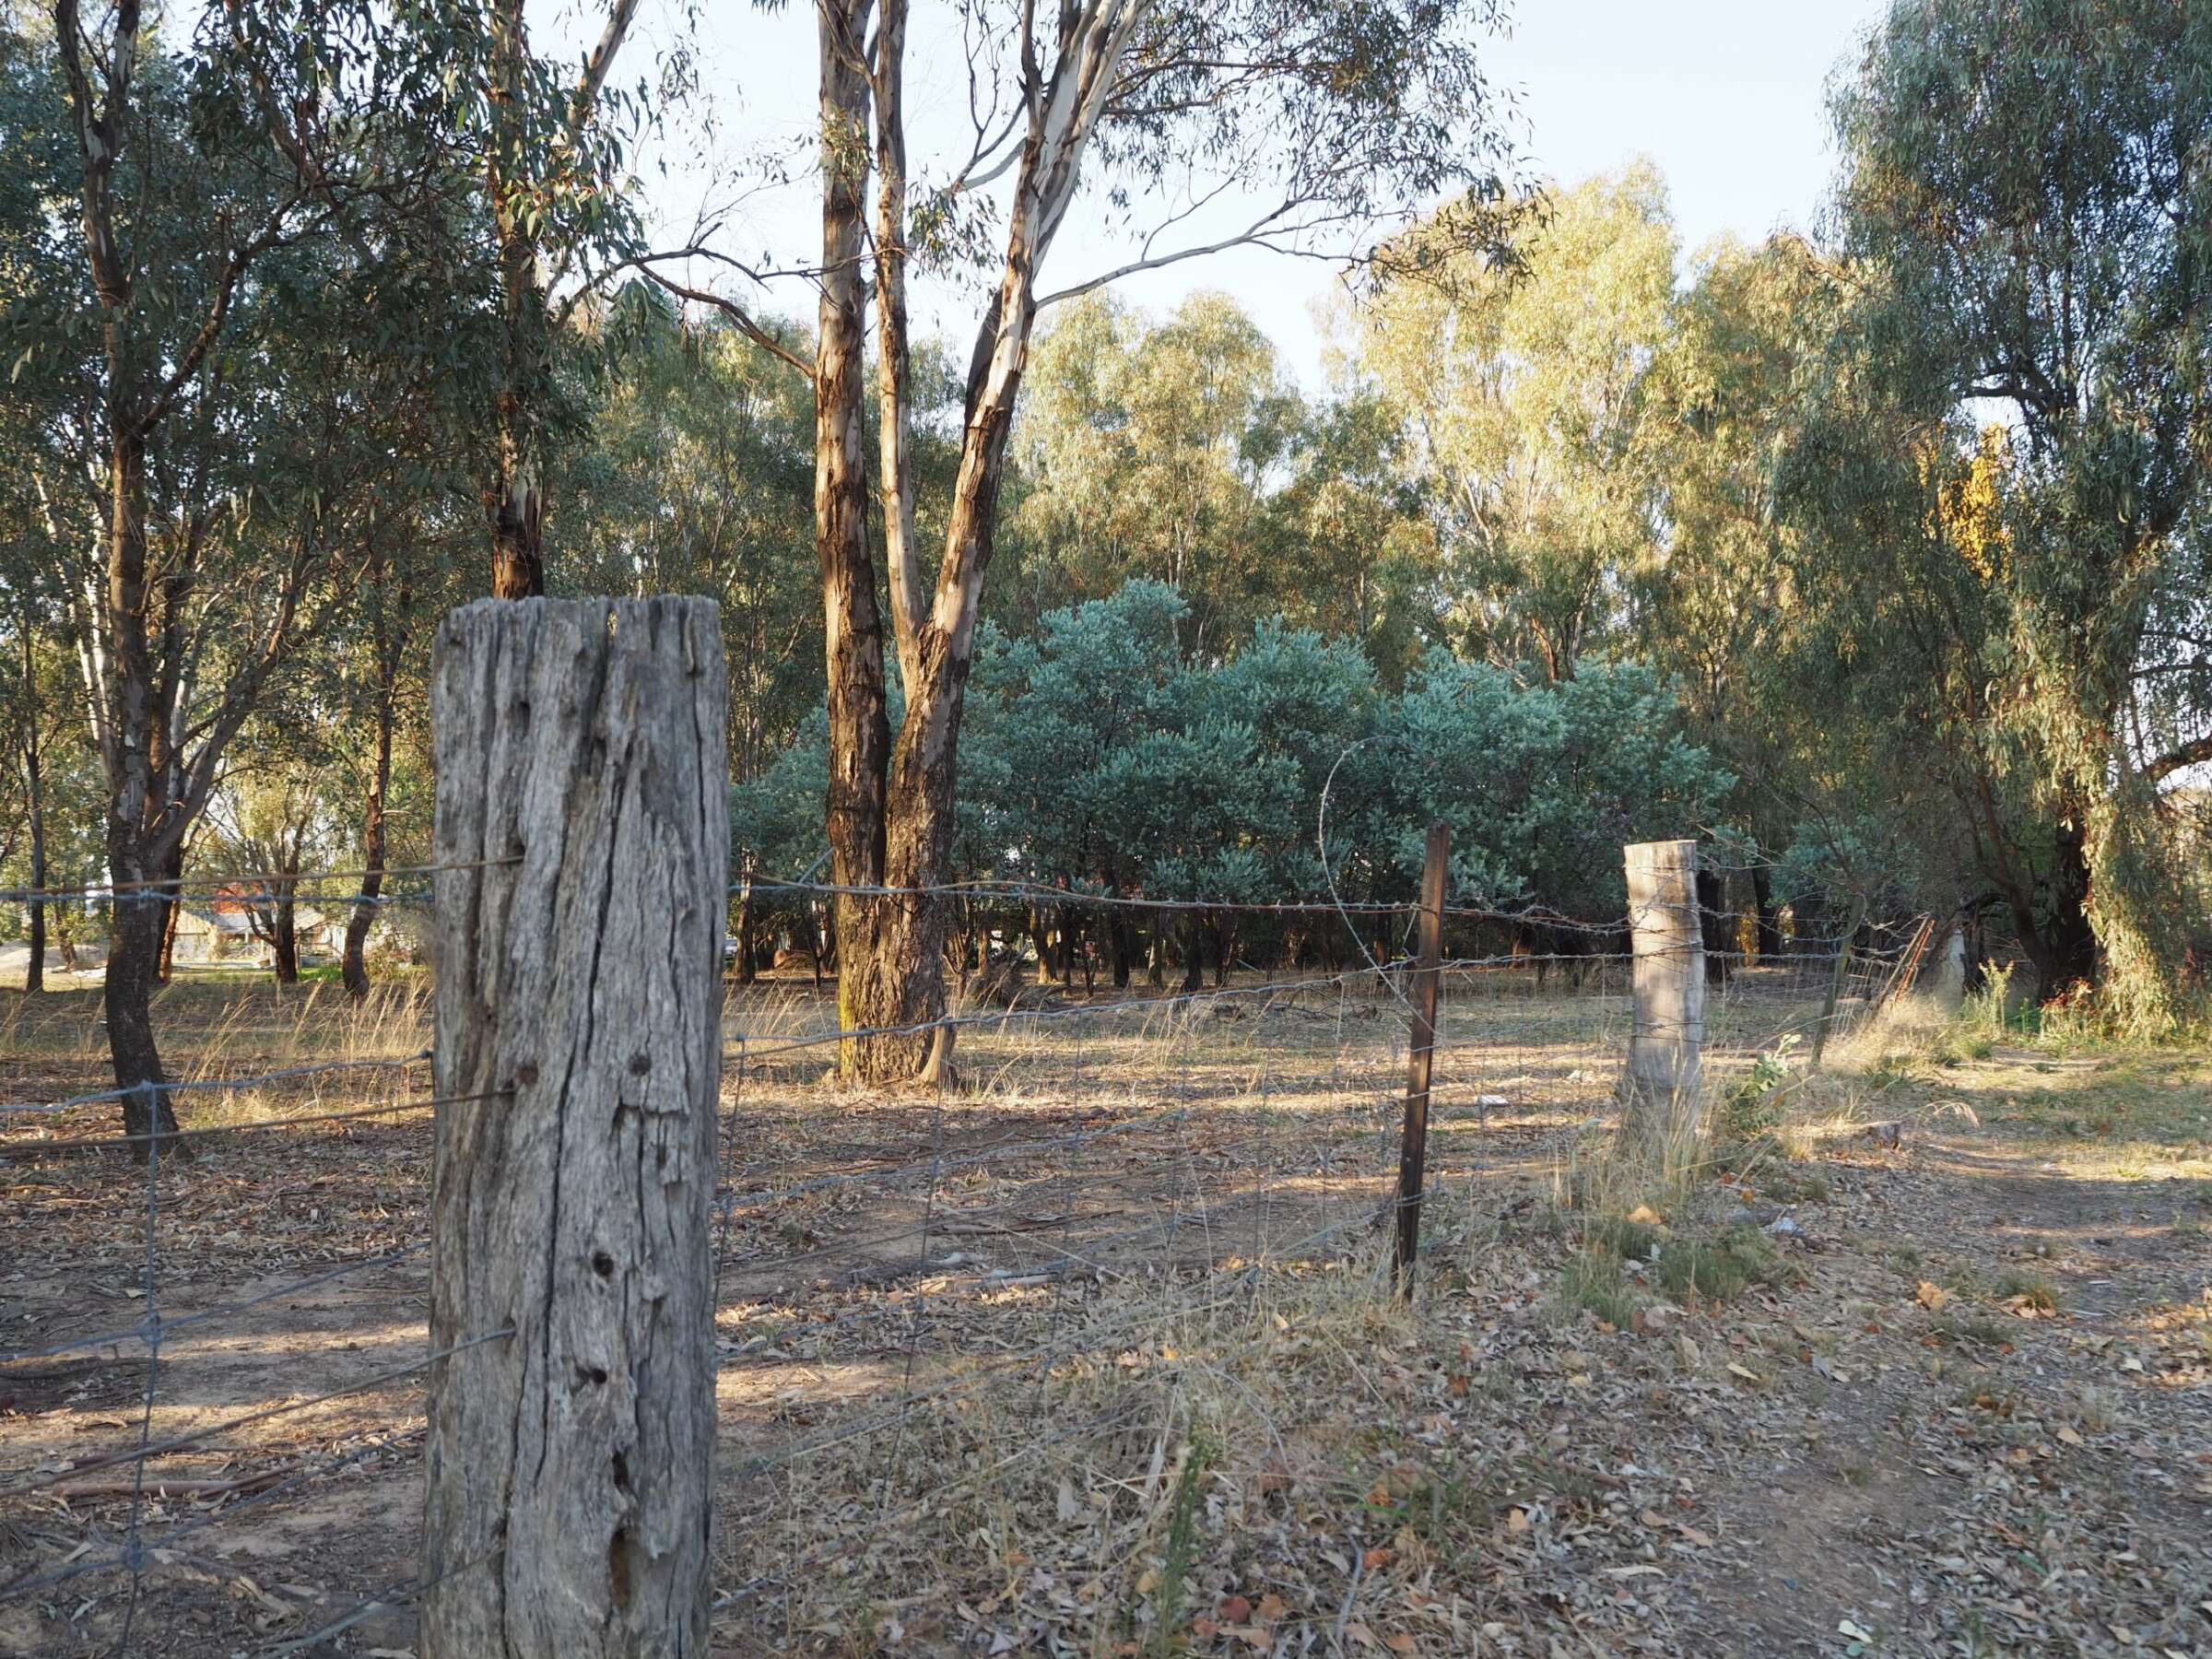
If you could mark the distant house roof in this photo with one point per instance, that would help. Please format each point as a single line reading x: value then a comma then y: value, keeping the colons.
x: 214, y: 917
x: 224, y: 911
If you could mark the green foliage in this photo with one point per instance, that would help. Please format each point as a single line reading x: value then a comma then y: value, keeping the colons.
x: 696, y: 475
x: 1178, y: 1550
x: 1592, y: 1282
x: 1624, y: 1240
x: 1989, y: 1010
x: 1720, y: 1268
x: 2006, y: 170
x: 1178, y: 451
x: 1100, y: 755
x: 1524, y: 386
x: 1754, y: 1106
x: 1542, y: 784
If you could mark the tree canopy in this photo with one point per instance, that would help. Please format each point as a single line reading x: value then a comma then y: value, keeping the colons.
x: 1875, y: 554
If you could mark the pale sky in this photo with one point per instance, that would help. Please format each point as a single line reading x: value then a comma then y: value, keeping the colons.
x: 1725, y: 95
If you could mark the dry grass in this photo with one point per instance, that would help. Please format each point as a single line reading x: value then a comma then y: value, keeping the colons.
x: 1098, y: 1355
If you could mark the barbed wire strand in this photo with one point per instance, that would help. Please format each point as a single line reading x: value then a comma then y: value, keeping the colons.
x: 399, y: 1595
x: 308, y: 1471
x: 287, y: 1074
x: 170, y: 886
x: 32, y: 1148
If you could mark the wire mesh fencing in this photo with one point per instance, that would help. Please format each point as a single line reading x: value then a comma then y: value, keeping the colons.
x: 212, y: 1357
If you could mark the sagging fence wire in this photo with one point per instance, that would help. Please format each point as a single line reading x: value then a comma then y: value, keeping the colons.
x: 251, y: 886
x: 1275, y: 1144
x: 263, y: 1080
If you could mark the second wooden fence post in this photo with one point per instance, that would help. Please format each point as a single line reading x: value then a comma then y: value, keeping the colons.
x: 1413, y: 1146
x: 1664, y: 1088
x: 581, y: 834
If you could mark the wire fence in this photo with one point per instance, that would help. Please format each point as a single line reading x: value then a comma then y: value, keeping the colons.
x: 917, y: 1296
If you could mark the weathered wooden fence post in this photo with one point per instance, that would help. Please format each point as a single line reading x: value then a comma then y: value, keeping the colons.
x: 1413, y: 1146
x: 583, y: 807
x: 1663, y: 1098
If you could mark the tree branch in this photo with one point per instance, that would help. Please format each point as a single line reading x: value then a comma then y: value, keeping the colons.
x: 595, y: 68
x: 736, y: 313
x: 1255, y: 235
x: 2191, y: 753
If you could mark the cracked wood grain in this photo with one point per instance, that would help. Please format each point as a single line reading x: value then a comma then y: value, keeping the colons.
x: 578, y: 986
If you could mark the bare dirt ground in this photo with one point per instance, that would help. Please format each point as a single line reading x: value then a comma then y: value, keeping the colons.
x: 1096, y: 1357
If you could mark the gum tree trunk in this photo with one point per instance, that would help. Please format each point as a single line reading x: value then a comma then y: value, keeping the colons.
x: 1714, y: 926
x: 512, y: 499
x: 385, y: 637
x: 139, y: 841
x: 284, y: 938
x: 892, y: 825
x: 34, y: 972
x: 1770, y: 918
x: 355, y: 969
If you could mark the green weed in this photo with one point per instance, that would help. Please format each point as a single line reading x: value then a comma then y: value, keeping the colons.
x: 1594, y: 1284
x: 1718, y: 1269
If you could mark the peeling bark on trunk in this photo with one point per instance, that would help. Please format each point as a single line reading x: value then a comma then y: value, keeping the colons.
x: 883, y: 978
x: 892, y: 824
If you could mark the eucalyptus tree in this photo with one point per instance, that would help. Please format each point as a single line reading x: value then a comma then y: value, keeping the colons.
x: 1354, y: 547
x: 272, y: 823
x: 38, y: 765
x: 1717, y: 605
x: 1148, y: 449
x: 1524, y: 384
x: 2035, y: 178
x: 188, y: 349
x: 1542, y: 783
x: 551, y: 138
x: 696, y: 475
x: 1337, y: 122
x: 1894, y: 678
x: 387, y: 622
x: 1055, y: 717
x: 1177, y: 449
